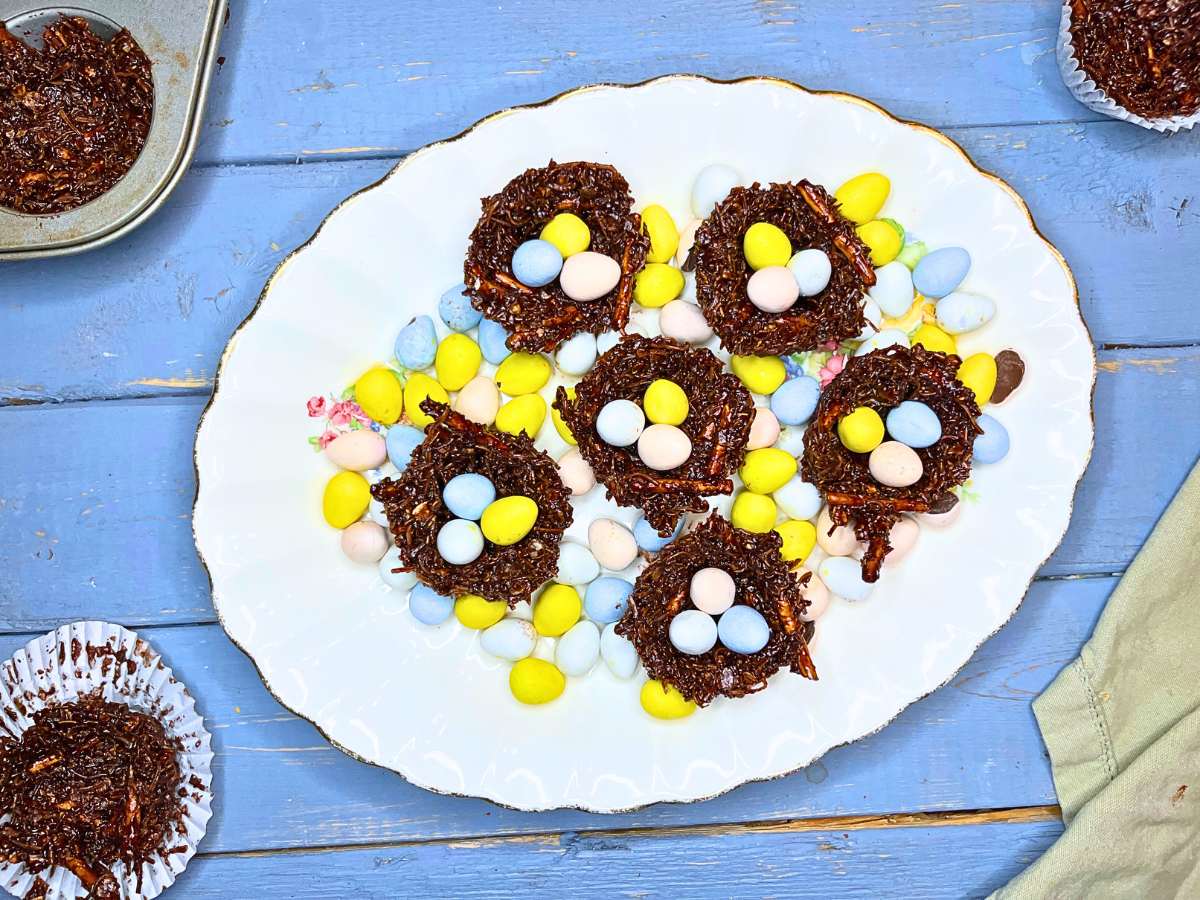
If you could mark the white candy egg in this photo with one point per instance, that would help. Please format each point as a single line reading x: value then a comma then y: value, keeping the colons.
x: 576, y: 564
x: 684, y: 322
x: 874, y: 317
x: 711, y: 186
x: 479, y: 400
x: 712, y: 590
x: 400, y: 581
x: 618, y: 652
x: 578, y: 649
x: 887, y: 338
x: 612, y: 544
x: 509, y: 639
x: 895, y: 464
x: 575, y: 473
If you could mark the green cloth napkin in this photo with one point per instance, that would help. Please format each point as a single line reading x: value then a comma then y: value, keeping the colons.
x: 1122, y: 724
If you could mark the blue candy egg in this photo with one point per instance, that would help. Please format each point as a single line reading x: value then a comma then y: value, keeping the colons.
x: 915, y: 424
x: 606, y: 599
x: 460, y: 542
x: 492, y: 337
x: 795, y: 401
x: 649, y: 539
x: 992, y: 445
x: 401, y: 441
x: 798, y: 499
x: 693, y: 632
x: 620, y: 423
x: 940, y: 272
x: 468, y: 495
x: 417, y: 343
x: 743, y: 629
x: 536, y: 263
x: 456, y: 310
x: 618, y: 652
x: 429, y: 607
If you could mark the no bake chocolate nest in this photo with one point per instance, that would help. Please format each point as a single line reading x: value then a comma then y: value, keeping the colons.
x: 539, y: 319
x: 718, y: 424
x: 881, y: 380
x: 763, y: 581
x: 415, y: 511
x: 808, y: 215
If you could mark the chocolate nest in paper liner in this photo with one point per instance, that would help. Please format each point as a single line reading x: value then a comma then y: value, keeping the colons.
x: 720, y: 411
x: 539, y: 319
x: 415, y: 510
x: 881, y: 380
x: 763, y: 581
x: 808, y: 215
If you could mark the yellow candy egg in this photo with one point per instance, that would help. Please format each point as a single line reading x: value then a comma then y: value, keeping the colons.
x: 799, y: 538
x: 861, y: 431
x: 978, y: 372
x: 665, y: 402
x: 475, y: 612
x: 883, y: 239
x: 535, y: 681
x: 657, y: 285
x: 863, y: 196
x: 380, y: 395
x: 568, y: 233
x: 507, y: 520
x: 766, y: 245
x: 560, y: 426
x: 418, y: 387
x: 663, y: 701
x: 664, y: 236
x: 525, y: 413
x: 760, y: 374
x: 556, y: 610
x: 907, y: 322
x: 767, y: 469
x: 753, y: 512
x: 457, y: 361
x: 933, y: 338
x: 345, y: 499
x: 522, y: 373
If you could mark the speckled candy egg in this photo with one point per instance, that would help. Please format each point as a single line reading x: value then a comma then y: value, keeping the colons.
x: 773, y: 289
x: 456, y: 310
x: 429, y: 607
x: 941, y: 271
x: 648, y: 538
x: 895, y: 464
x: 578, y: 650
x: 743, y: 630
x: 417, y: 343
x: 684, y: 322
x: 401, y: 441
x: 509, y: 639
x: 618, y: 652
x: 468, y: 495
x: 712, y: 590
x: 843, y: 576
x: 914, y: 423
x: 991, y: 446
x: 364, y: 542
x: 612, y: 544
x: 796, y: 400
x: 893, y: 289
x: 620, y: 423
x: 812, y: 270
x: 815, y: 593
x: 577, y: 354
x: 589, y: 276
x: 764, y: 430
x: 798, y: 499
x: 711, y: 186
x: 536, y: 263
x: 575, y: 473
x: 693, y: 632
x: 493, y: 339
x: 357, y: 450
x: 960, y: 312
x: 664, y: 447
x: 460, y: 542
x: 479, y: 400
x: 606, y: 599
x: 576, y: 565
x: 836, y: 541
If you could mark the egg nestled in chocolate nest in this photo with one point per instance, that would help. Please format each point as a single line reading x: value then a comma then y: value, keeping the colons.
x: 417, y: 510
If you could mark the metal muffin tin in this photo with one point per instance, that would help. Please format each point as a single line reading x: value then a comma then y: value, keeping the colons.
x: 180, y: 37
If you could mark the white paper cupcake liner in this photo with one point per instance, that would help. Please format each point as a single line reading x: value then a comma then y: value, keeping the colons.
x: 88, y: 657
x: 1089, y: 93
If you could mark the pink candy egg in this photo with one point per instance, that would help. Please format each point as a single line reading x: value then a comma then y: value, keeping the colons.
x: 773, y: 289
x: 764, y: 430
x: 712, y: 591
x: 364, y: 542
x: 664, y: 447
x: 357, y: 451
x: 815, y: 593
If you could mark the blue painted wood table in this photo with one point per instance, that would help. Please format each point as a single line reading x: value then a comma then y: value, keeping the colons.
x: 106, y: 360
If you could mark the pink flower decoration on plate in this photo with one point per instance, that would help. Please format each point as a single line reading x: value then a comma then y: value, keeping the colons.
x: 342, y: 412
x: 831, y: 369
x: 326, y: 439
x: 316, y: 407
x: 829, y: 345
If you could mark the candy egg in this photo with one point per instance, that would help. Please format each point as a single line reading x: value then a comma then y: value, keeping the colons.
x: 743, y: 630
x: 578, y: 650
x: 468, y: 495
x: 357, y: 450
x: 575, y: 473
x: 556, y: 609
x: 664, y: 236
x: 1010, y: 371
x: 612, y: 544
x: 589, y: 276
x: 568, y: 233
x: 376, y: 513
x: 861, y: 431
x: 345, y: 499
x: 798, y: 499
x: 912, y: 252
x: 493, y: 341
x: 564, y: 430
x: 380, y: 395
x: 711, y: 187
x: 684, y: 322
x: 791, y: 440
x: 873, y: 319
x: 992, y: 445
x: 764, y: 429
x: 895, y: 464
x: 459, y: 542
x: 815, y: 592
x: 456, y: 310
x: 416, y: 343
x: 536, y: 263
x: 577, y: 354
x: 933, y: 338
x: 843, y: 576
x: 773, y: 289
x: 862, y: 197
x: 835, y: 540
x: 766, y: 245
x: 364, y: 542
x: 648, y: 538
x: 693, y: 632
x: 893, y: 289
x: 943, y: 513
x: 429, y: 607
x: 535, y: 681
x: 760, y: 374
x: 753, y: 512
x: 401, y: 581
x: 712, y: 590
x: 417, y: 389
x: 510, y: 639
x: 508, y: 520
x: 479, y: 400
x: 978, y: 372
x: 960, y: 312
x: 522, y: 373
x: 796, y: 400
x: 942, y: 271
x: 687, y: 237
x: 883, y: 240
x: 664, y: 447
x: 888, y: 337
x: 618, y: 652
x: 902, y: 538
x: 765, y: 471
x: 665, y: 402
x: 401, y: 441
x: 663, y: 701
x: 524, y: 414
x: 798, y: 537
x: 576, y: 565
x: 475, y: 612
x: 812, y: 270
x: 606, y: 599
x: 915, y: 424
x: 457, y: 361
x: 657, y: 285
x: 620, y: 423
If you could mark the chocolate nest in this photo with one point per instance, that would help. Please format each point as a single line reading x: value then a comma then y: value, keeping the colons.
x: 763, y: 582
x: 539, y: 319
x: 718, y: 423
x: 881, y: 380
x: 809, y: 216
x: 415, y: 511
